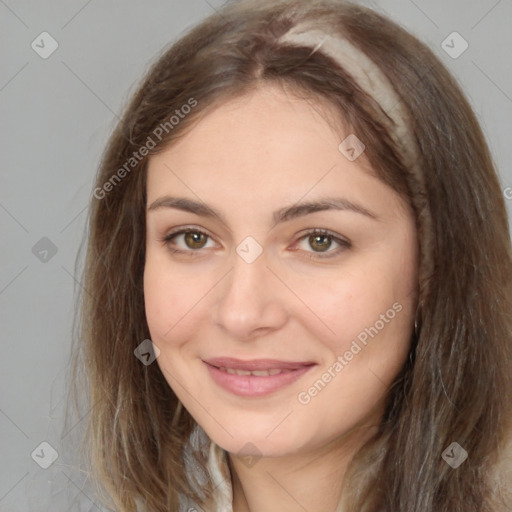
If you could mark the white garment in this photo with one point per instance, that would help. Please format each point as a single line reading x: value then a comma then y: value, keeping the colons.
x: 218, y: 472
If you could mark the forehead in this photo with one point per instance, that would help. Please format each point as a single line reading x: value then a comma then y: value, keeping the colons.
x: 267, y: 146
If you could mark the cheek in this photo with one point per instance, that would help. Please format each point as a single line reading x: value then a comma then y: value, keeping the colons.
x: 371, y: 322
x: 171, y: 313
x: 365, y: 315
x: 346, y: 303
x: 169, y: 297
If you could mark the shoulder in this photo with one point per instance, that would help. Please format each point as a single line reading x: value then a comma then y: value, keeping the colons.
x: 501, y: 479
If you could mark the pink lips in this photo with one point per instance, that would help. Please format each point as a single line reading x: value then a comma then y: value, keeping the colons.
x: 255, y: 385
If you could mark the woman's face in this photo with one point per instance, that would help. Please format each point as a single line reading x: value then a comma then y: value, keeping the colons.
x: 323, y: 319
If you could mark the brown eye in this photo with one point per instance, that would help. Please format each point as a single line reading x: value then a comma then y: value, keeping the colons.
x: 187, y: 241
x: 195, y: 239
x: 320, y: 242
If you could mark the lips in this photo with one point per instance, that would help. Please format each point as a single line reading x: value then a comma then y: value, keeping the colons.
x: 256, y: 373
x: 257, y: 377
x: 254, y: 365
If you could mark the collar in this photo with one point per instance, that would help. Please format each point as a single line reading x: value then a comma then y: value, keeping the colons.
x: 217, y: 470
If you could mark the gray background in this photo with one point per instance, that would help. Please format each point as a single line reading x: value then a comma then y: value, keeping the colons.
x: 56, y: 115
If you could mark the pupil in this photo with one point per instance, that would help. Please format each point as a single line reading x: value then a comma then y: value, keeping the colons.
x: 194, y: 239
x: 317, y: 239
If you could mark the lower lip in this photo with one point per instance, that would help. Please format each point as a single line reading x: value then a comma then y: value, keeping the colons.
x: 252, y: 385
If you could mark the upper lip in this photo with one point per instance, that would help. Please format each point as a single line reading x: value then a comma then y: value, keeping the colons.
x: 256, y: 364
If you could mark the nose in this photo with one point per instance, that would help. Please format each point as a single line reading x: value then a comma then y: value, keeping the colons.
x: 251, y: 300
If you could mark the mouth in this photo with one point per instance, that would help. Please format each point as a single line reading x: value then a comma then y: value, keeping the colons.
x: 257, y: 377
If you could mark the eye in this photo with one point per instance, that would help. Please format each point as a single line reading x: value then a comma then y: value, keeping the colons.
x: 193, y: 238
x: 321, y: 240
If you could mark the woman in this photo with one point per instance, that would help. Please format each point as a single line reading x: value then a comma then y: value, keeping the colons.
x: 299, y: 276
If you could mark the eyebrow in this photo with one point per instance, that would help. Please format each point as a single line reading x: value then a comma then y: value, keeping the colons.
x: 282, y: 215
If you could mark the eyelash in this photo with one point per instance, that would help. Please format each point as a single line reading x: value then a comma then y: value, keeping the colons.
x: 344, y: 244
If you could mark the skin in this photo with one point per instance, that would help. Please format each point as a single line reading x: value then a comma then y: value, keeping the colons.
x: 248, y: 158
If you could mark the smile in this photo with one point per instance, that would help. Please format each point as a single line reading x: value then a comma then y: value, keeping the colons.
x: 255, y: 378
x: 257, y: 373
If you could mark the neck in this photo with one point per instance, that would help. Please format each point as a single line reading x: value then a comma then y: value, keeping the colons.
x: 309, y: 480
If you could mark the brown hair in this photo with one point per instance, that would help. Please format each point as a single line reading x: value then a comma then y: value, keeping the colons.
x: 456, y: 385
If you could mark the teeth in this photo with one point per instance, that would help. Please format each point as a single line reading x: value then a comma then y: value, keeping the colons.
x: 257, y: 373
x: 264, y: 373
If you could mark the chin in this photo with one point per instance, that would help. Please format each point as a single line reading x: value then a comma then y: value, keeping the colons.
x: 252, y: 441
